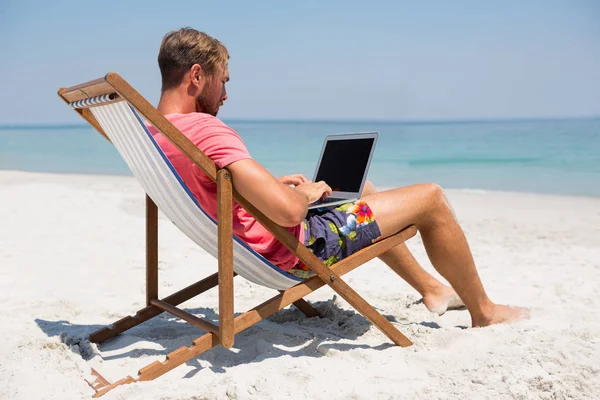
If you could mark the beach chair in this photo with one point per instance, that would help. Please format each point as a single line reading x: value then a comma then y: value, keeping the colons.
x: 118, y: 112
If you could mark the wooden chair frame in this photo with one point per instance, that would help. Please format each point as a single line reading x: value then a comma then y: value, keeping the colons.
x: 224, y: 333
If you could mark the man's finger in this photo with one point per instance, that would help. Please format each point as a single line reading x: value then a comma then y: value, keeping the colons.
x: 291, y: 180
x: 301, y: 177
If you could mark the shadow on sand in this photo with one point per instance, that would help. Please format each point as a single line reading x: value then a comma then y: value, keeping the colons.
x: 286, y: 333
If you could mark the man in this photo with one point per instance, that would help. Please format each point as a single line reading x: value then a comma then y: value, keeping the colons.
x: 194, y: 69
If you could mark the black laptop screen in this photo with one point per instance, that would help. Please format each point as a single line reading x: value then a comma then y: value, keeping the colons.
x: 344, y: 162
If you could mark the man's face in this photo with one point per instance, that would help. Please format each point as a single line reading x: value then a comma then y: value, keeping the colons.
x: 214, y: 93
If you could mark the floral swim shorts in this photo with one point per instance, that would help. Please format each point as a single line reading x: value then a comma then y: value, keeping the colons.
x: 334, y: 234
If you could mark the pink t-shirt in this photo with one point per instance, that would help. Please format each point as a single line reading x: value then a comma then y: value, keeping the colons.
x: 224, y: 146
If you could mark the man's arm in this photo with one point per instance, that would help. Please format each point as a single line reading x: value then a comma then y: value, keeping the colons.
x: 278, y: 201
x: 284, y: 205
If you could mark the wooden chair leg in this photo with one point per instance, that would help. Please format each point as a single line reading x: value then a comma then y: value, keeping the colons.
x: 306, y: 308
x: 151, y: 250
x: 225, y: 257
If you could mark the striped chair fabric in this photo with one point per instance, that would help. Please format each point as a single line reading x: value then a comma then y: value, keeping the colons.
x: 162, y: 183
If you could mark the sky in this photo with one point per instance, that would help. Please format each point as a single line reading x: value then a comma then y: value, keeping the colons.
x: 325, y: 60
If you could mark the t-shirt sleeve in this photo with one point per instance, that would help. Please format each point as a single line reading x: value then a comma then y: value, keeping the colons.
x: 221, y: 144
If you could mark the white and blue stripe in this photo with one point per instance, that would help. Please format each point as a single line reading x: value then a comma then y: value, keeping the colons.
x: 92, y: 101
x: 164, y: 185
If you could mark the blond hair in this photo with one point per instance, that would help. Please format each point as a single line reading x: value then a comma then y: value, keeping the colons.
x: 185, y: 47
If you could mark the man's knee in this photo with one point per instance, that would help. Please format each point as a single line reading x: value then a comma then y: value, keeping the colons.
x: 369, y: 188
x: 438, y: 200
x: 434, y: 190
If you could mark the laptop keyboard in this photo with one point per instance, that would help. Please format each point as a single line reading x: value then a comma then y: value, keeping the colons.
x: 328, y: 200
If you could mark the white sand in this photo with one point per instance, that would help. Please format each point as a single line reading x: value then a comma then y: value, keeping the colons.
x: 72, y: 260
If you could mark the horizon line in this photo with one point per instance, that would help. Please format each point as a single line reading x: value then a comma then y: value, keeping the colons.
x: 73, y: 125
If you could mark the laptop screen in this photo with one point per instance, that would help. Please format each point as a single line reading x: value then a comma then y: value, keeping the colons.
x: 344, y: 163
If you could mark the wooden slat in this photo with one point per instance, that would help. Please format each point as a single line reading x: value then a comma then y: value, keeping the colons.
x: 162, y: 125
x: 225, y: 257
x: 83, y: 85
x: 192, y: 319
x: 194, y: 290
x: 87, y: 90
x: 151, y: 250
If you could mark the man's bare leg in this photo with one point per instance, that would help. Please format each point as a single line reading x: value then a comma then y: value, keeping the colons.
x: 426, y: 207
x: 437, y: 297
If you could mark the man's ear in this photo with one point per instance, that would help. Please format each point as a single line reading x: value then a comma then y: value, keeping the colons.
x: 197, y: 75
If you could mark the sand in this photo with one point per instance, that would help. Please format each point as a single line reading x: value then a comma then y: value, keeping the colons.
x: 72, y: 261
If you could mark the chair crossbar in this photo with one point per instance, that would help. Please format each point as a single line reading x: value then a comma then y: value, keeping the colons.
x: 192, y: 319
x: 95, y: 101
x: 151, y: 311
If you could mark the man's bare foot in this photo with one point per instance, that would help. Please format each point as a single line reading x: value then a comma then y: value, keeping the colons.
x: 443, y: 299
x: 503, y: 315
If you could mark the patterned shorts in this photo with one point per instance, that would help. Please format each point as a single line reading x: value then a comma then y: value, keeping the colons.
x: 334, y: 234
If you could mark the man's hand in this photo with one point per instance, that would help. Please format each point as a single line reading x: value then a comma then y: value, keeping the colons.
x: 314, y: 190
x: 295, y: 179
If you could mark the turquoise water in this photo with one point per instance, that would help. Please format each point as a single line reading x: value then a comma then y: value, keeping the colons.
x: 554, y: 156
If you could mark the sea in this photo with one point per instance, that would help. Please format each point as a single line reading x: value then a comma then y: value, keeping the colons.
x: 559, y: 156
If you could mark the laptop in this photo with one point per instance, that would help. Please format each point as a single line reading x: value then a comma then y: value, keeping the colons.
x: 343, y: 165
